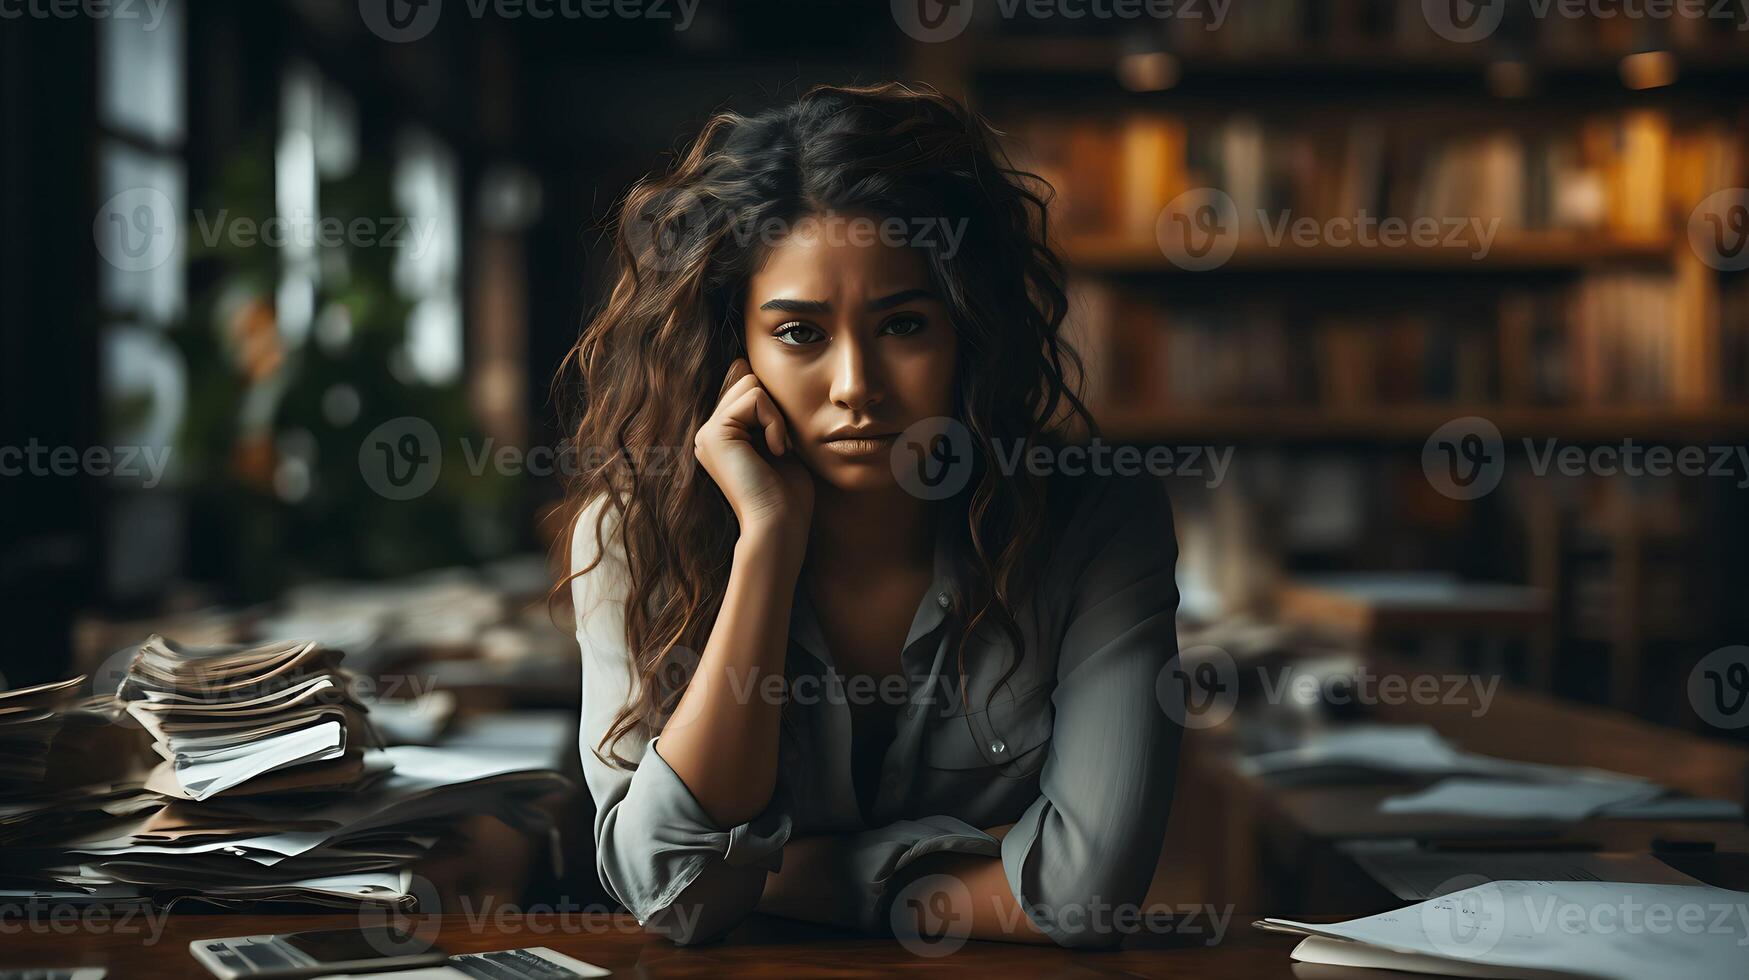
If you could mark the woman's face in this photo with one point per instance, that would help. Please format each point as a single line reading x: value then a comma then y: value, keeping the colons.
x: 848, y: 337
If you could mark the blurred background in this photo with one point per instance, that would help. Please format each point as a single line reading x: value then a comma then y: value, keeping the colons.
x: 259, y: 259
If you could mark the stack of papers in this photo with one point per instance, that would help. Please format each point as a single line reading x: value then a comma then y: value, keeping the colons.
x: 275, y: 718
x: 1413, y: 873
x: 337, y: 851
x: 66, y: 770
x: 1574, y: 797
x: 1475, y: 785
x: 29, y: 721
x: 1393, y: 750
x: 1546, y: 929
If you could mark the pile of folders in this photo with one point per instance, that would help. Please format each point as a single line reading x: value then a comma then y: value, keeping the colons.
x: 264, y: 782
x: 277, y: 718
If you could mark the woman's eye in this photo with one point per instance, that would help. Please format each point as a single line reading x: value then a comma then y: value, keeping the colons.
x: 904, y: 326
x: 796, y: 334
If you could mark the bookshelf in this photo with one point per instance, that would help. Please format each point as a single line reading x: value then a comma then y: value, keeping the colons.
x: 1122, y: 254
x: 1410, y: 425
x: 1590, y: 320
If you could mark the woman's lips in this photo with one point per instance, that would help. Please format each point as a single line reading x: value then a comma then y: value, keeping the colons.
x: 861, y: 446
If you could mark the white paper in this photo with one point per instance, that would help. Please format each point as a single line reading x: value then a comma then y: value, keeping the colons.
x: 1409, y: 750
x: 1414, y: 874
x: 1606, y: 930
x: 203, y: 779
x: 1570, y: 799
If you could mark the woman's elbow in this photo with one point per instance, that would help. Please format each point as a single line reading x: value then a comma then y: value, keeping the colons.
x: 1087, y: 915
x: 707, y: 909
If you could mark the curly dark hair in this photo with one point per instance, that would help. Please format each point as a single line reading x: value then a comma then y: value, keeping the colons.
x: 649, y: 364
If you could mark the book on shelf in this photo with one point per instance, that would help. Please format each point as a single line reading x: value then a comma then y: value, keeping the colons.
x: 1628, y: 175
x: 1603, y: 339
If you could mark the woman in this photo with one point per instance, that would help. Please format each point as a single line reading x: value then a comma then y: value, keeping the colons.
x: 860, y: 651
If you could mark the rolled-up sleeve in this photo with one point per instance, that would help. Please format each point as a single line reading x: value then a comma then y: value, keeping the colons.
x: 656, y: 850
x: 1089, y: 844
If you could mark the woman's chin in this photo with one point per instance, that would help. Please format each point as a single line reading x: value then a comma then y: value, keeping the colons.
x: 856, y: 476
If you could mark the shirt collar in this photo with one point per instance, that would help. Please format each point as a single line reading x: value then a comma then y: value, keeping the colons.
x: 943, y: 593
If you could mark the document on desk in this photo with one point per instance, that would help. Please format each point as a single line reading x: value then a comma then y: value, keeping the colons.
x: 1573, y: 798
x: 1398, y: 750
x: 1546, y: 929
x: 1413, y: 873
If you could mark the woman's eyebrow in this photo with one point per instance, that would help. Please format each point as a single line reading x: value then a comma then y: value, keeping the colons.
x: 821, y: 306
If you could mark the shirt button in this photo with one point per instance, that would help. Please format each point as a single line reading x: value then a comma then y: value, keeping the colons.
x: 997, y: 747
x: 942, y: 600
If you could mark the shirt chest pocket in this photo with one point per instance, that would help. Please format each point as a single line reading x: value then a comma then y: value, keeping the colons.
x: 1009, y: 736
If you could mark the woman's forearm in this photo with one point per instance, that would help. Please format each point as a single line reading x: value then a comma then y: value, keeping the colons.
x: 813, y: 887
x: 721, y: 739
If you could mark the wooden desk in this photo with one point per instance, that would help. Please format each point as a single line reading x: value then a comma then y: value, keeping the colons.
x: 1261, y: 844
x: 763, y: 947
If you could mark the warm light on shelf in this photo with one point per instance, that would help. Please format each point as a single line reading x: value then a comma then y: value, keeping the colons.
x: 1148, y: 71
x: 1508, y: 79
x: 1648, y: 69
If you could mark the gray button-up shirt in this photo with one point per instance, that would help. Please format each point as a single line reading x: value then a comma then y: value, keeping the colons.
x: 1075, y: 749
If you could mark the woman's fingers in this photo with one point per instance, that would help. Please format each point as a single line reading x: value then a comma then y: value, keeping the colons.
x: 739, y: 369
x: 747, y: 406
x: 776, y: 437
x: 754, y: 409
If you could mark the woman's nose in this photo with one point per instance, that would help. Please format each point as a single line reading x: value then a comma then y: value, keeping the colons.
x: 853, y: 386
